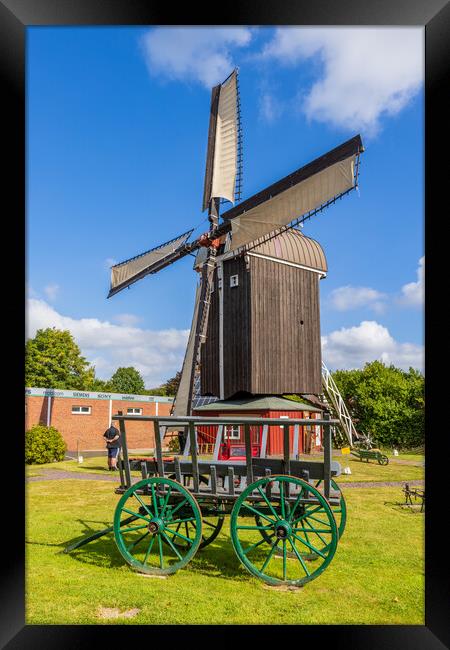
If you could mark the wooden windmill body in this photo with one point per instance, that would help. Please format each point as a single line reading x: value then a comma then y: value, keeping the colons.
x: 256, y: 323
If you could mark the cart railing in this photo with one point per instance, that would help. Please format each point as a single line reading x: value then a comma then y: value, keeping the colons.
x: 321, y: 470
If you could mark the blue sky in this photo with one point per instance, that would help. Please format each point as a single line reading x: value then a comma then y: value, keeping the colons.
x: 117, y: 121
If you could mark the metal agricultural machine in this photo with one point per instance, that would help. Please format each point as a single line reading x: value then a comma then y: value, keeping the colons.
x: 285, y: 516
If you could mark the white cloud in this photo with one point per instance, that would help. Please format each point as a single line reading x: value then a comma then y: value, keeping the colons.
x: 348, y: 297
x: 352, y: 347
x: 201, y: 54
x: 51, y: 291
x: 269, y: 107
x: 127, y: 319
x: 366, y: 72
x: 413, y: 292
x: 158, y: 355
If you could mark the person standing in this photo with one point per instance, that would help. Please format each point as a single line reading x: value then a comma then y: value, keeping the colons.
x: 113, y: 444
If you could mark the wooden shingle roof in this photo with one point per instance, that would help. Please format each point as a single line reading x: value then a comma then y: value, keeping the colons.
x: 292, y: 246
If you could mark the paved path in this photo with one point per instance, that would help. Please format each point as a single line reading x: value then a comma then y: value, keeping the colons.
x: 57, y: 475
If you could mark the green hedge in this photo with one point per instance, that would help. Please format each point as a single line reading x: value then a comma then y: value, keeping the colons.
x: 44, y: 445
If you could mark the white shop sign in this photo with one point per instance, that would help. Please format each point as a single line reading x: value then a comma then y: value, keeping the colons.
x: 78, y: 394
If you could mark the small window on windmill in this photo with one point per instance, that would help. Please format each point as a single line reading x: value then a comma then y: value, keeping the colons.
x: 234, y: 280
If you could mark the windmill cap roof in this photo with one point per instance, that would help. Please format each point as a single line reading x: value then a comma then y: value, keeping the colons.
x: 270, y: 403
x: 293, y: 246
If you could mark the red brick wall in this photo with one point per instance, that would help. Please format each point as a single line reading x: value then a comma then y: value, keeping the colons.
x: 88, y: 429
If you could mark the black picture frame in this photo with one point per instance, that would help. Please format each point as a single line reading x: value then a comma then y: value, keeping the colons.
x: 434, y: 15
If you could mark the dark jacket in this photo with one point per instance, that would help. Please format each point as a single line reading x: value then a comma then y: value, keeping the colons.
x: 111, y: 433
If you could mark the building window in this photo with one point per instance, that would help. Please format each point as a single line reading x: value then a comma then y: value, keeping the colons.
x: 134, y: 411
x: 232, y: 432
x: 81, y: 410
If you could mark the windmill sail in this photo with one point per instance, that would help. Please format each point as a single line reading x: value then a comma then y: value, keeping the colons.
x: 129, y: 271
x: 310, y: 187
x: 222, y: 160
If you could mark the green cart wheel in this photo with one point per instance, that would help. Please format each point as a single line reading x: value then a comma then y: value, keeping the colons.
x: 148, y: 545
x: 383, y: 460
x: 212, y: 522
x: 290, y: 520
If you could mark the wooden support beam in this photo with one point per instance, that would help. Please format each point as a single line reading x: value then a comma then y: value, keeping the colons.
x: 193, y: 439
x: 177, y: 469
x: 248, y: 453
x: 231, y: 481
x: 158, y: 445
x: 213, y: 474
x: 123, y: 435
x: 296, y: 439
x: 218, y: 441
x: 286, y: 450
x: 326, y: 456
x: 265, y: 431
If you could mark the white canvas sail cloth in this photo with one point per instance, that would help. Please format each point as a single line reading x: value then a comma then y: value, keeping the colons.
x: 226, y: 142
x: 127, y: 270
x: 293, y: 202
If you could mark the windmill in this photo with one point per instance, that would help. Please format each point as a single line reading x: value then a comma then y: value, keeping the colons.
x: 234, y: 346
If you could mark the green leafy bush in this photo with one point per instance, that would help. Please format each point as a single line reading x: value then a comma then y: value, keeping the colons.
x: 44, y: 445
x: 174, y: 445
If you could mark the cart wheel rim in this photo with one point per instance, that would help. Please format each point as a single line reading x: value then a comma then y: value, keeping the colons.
x: 340, y: 511
x: 148, y: 544
x: 311, y: 535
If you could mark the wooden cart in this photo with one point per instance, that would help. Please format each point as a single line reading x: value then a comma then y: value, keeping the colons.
x: 286, y: 515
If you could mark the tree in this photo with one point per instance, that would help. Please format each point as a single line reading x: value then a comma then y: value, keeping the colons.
x: 127, y: 380
x: 170, y: 387
x: 386, y: 402
x: 54, y: 360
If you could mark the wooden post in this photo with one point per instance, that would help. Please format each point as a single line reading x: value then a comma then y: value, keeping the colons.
x: 159, y: 457
x: 193, y: 440
x: 248, y: 453
x: 177, y: 469
x: 286, y: 450
x: 187, y: 445
x: 326, y: 456
x: 125, y: 451
x: 265, y: 430
x: 213, y: 472
x: 231, y: 481
x: 296, y: 437
x: 218, y: 441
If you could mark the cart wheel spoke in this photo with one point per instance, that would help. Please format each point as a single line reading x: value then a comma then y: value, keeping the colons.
x: 133, y: 544
x: 269, y: 557
x: 163, y: 556
x: 143, y: 504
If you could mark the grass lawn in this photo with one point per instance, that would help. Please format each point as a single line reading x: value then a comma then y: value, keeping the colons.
x: 374, y: 578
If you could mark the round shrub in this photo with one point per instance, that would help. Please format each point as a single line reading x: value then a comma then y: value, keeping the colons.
x: 44, y: 445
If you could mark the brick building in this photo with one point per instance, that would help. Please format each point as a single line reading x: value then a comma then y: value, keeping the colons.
x: 82, y: 417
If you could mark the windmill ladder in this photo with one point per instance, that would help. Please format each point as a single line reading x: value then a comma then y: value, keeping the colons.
x: 334, y: 399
